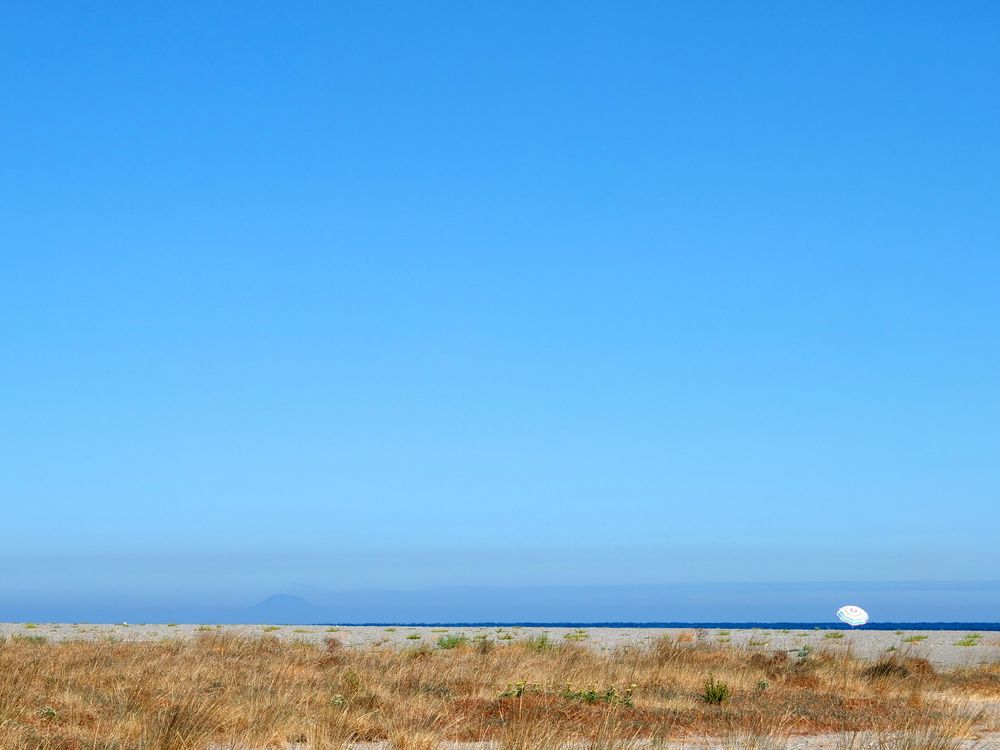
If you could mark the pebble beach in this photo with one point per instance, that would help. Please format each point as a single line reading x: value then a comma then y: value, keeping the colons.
x: 943, y: 648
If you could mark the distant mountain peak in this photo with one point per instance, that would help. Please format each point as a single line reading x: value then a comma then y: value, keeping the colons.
x: 285, y: 609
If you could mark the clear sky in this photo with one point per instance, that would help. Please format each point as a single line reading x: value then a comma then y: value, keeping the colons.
x: 448, y: 293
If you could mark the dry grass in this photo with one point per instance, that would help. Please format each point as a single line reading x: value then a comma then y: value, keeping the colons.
x: 221, y: 691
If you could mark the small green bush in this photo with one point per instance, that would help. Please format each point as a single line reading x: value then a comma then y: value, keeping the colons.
x: 515, y: 690
x: 716, y: 692
x: 47, y: 712
x: 539, y: 643
x: 610, y: 696
x: 451, y: 641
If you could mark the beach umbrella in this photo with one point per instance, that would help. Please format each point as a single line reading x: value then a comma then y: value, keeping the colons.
x: 852, y: 615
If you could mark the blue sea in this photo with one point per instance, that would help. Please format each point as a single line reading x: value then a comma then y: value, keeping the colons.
x: 989, y: 626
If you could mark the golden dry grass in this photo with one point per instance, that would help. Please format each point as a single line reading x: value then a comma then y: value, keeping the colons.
x: 228, y: 692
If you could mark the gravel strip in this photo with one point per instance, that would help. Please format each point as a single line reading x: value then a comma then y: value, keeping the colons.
x: 944, y: 648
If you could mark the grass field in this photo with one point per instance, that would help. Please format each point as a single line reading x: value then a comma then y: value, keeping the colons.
x: 221, y: 691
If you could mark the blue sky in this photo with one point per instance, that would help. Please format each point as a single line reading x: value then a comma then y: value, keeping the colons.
x: 454, y: 294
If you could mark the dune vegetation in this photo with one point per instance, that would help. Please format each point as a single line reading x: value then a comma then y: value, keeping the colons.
x: 221, y: 691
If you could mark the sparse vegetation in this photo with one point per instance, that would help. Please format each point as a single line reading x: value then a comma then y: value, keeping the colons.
x: 221, y: 690
x: 834, y: 635
x: 914, y: 638
x: 32, y: 639
x: 484, y: 645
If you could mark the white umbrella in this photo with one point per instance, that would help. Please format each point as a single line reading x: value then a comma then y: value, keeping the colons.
x: 852, y: 615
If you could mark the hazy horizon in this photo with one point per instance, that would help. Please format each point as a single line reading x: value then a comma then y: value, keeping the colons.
x: 891, y: 601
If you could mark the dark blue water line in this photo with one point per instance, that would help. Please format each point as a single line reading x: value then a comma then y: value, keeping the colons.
x: 990, y: 626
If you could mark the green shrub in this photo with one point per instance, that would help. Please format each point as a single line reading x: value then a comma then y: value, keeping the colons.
x: 47, y: 712
x: 452, y: 641
x: 610, y: 696
x: 515, y: 690
x: 539, y: 643
x: 716, y: 692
